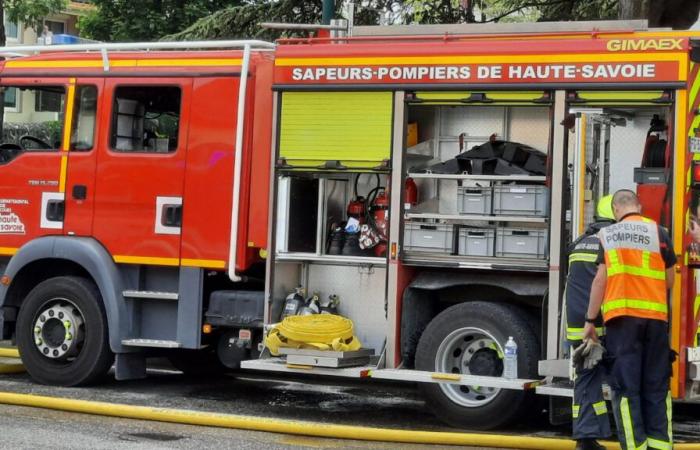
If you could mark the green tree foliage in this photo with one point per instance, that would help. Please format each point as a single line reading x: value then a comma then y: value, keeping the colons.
x: 243, y: 21
x: 145, y: 20
x: 32, y: 12
x: 555, y: 10
x: 129, y: 20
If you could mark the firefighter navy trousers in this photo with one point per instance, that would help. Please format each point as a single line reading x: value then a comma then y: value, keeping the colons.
x: 589, y: 412
x: 639, y: 378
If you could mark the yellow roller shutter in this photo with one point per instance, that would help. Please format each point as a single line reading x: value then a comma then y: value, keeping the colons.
x: 321, y: 128
x: 488, y: 98
x: 620, y: 98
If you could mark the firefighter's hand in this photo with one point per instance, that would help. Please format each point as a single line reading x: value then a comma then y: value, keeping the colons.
x: 589, y: 332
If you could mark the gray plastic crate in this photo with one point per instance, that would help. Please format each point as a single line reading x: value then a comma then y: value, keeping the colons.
x: 433, y: 237
x: 520, y: 200
x: 476, y: 241
x: 650, y: 175
x: 474, y: 200
x: 521, y: 243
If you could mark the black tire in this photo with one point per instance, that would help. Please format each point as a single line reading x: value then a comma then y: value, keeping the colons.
x: 500, y: 321
x: 92, y: 358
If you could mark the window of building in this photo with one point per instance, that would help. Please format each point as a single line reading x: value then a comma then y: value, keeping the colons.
x: 55, y: 27
x: 48, y: 100
x: 11, y: 30
x: 84, y: 118
x: 10, y: 99
x: 146, y: 119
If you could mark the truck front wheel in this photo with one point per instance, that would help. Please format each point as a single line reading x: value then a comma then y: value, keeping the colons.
x: 62, y: 332
x: 468, y: 338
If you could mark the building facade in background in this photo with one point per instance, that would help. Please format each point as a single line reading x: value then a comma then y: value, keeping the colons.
x: 30, y: 105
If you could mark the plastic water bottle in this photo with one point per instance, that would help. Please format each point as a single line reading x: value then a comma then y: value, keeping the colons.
x: 510, y: 363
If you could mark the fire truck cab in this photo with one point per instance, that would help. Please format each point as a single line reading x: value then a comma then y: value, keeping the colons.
x: 424, y: 183
x: 99, y: 155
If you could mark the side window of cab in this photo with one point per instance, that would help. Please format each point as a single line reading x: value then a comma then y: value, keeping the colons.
x: 32, y: 119
x: 146, y: 119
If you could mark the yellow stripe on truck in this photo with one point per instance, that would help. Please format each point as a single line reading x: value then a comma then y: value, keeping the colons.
x: 150, y: 260
x: 484, y: 59
x: 95, y: 63
x: 208, y: 263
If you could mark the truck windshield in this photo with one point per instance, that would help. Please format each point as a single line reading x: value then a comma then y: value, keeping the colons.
x: 32, y: 119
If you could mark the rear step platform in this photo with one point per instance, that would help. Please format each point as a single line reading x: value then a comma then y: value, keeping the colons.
x: 157, y: 343
x: 280, y: 365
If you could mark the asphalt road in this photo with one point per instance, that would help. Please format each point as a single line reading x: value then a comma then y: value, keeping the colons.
x: 367, y: 403
x: 32, y: 428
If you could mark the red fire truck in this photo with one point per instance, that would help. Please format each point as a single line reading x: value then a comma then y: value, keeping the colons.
x: 167, y: 198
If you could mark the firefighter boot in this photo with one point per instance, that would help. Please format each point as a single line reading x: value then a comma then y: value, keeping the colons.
x: 352, y: 245
x: 588, y: 444
x: 337, y: 240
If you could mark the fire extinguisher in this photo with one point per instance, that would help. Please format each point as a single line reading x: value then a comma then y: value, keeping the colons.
x: 357, y: 208
x: 410, y: 193
x: 379, y: 218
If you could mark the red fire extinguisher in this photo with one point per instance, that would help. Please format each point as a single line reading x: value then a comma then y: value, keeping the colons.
x: 379, y: 211
x: 410, y: 193
x: 356, y: 208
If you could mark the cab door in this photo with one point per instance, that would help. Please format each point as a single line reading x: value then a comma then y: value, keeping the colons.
x: 140, y: 169
x: 83, y: 111
x: 31, y: 154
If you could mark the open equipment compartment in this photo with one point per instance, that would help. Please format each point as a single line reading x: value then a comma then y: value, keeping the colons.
x: 621, y: 140
x: 329, y: 210
x: 478, y: 161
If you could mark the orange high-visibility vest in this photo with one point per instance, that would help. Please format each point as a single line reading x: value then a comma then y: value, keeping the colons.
x: 636, y: 284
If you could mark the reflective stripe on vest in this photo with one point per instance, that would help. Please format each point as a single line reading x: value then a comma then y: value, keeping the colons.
x: 583, y: 257
x: 576, y: 334
x: 636, y: 283
x: 600, y: 408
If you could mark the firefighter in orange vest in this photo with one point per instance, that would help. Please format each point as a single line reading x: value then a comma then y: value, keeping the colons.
x: 631, y: 287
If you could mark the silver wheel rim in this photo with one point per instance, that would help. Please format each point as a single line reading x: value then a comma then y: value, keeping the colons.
x: 58, y: 331
x: 460, y: 352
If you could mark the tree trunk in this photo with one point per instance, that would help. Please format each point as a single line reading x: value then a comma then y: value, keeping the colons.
x: 677, y: 14
x: 635, y: 9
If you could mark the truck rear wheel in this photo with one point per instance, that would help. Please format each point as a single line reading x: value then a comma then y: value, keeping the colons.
x: 468, y: 338
x: 62, y: 332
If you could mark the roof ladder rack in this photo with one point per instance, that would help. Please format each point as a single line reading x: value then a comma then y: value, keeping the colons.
x: 26, y: 50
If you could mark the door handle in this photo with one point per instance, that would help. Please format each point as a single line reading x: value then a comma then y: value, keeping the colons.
x: 171, y: 216
x: 55, y: 210
x: 79, y: 192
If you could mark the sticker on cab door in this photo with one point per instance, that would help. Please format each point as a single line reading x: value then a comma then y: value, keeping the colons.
x: 10, y: 223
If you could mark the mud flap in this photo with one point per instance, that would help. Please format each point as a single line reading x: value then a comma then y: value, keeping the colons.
x: 559, y: 410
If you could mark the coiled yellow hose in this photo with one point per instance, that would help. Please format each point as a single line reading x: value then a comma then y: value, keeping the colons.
x: 317, y: 331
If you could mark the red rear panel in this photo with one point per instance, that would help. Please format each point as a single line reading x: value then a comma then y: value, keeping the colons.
x: 206, y: 222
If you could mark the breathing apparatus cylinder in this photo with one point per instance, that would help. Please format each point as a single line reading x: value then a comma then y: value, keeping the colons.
x: 293, y: 302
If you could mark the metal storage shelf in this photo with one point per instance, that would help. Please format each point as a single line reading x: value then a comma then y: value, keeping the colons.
x: 332, y: 259
x: 276, y: 364
x: 471, y: 217
x: 419, y: 156
x: 475, y: 262
x: 466, y: 176
x: 447, y: 138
